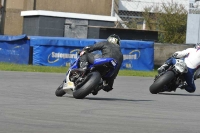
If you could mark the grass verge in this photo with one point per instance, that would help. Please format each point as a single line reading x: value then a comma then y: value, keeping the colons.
x: 31, y: 68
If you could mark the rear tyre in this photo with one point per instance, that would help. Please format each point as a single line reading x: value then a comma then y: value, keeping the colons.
x: 90, y: 83
x: 59, y: 91
x: 158, y: 85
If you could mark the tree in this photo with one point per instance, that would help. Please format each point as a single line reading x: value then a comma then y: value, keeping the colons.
x: 170, y: 19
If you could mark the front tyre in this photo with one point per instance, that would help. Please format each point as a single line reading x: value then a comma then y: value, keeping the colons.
x: 90, y: 82
x: 158, y: 85
x: 59, y: 91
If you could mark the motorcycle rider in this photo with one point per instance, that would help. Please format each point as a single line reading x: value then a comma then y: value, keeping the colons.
x: 191, y: 57
x: 109, y: 49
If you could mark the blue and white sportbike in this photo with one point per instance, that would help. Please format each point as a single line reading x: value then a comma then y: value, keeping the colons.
x: 79, y: 83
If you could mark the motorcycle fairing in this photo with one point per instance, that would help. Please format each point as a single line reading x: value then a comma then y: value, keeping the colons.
x: 105, y: 66
x: 68, y: 86
x: 108, y: 63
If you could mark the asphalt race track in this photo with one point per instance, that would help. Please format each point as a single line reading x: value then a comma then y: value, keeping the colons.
x: 28, y: 105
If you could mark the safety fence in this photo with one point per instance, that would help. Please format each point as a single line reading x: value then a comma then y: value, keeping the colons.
x: 61, y: 51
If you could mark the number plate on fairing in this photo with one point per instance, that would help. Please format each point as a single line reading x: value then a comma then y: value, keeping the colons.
x: 113, y: 63
x: 181, y: 66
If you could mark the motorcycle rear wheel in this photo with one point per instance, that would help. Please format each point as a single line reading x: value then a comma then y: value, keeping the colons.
x: 158, y: 85
x: 90, y: 83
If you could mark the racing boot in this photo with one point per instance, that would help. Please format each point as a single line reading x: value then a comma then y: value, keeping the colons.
x: 164, y: 67
x: 106, y: 87
x: 95, y: 91
x: 182, y: 86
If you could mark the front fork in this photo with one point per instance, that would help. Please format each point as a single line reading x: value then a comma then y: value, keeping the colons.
x: 68, y: 86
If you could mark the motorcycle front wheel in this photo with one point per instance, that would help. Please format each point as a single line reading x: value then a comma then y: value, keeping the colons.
x: 88, y: 84
x: 158, y: 85
x: 59, y: 91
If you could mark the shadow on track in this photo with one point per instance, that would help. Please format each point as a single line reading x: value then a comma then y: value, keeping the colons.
x: 109, y: 99
x: 179, y: 94
x: 115, y: 99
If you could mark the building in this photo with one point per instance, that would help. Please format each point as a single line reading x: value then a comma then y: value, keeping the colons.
x: 124, y: 10
x: 12, y: 21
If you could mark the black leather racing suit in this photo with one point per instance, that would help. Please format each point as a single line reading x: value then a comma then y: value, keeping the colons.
x: 108, y: 50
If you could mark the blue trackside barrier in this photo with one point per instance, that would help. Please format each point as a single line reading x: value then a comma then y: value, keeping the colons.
x: 14, y: 49
x: 60, y: 51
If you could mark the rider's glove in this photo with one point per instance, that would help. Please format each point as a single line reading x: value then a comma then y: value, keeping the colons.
x: 82, y: 53
x: 174, y: 55
x: 85, y: 49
